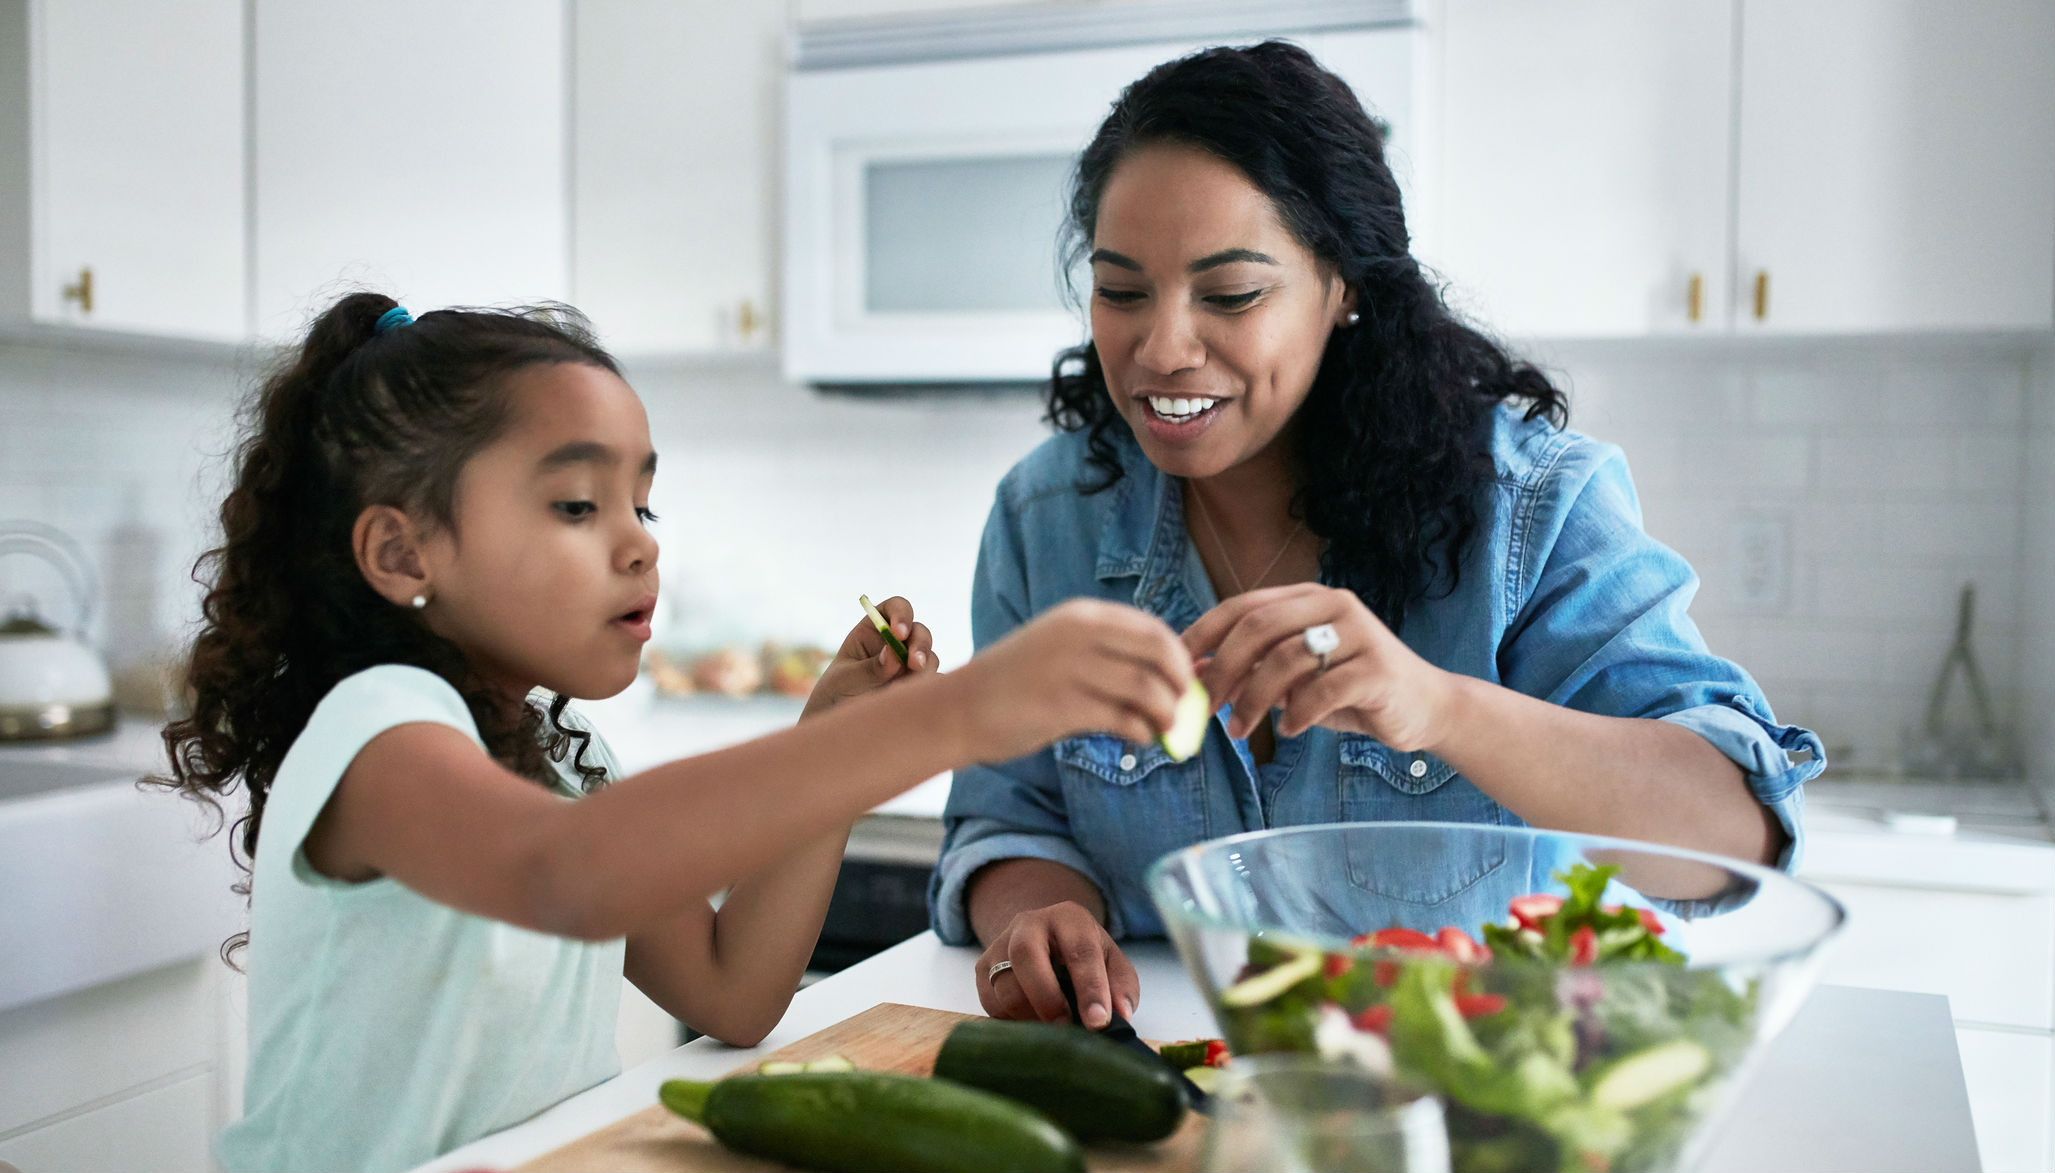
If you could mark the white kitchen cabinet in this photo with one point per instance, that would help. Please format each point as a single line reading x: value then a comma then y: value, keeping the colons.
x: 1973, y: 919
x: 416, y: 149
x: 2011, y: 1079
x: 1851, y: 166
x: 676, y: 137
x: 1584, y: 165
x: 118, y: 1077
x: 158, y: 1129
x: 122, y: 166
x: 1896, y: 165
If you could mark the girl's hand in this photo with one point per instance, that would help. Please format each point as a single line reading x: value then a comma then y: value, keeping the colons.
x: 865, y: 661
x: 1373, y: 682
x: 1083, y: 666
x: 1039, y: 940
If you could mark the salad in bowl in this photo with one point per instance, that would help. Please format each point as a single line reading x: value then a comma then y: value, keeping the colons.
x: 1599, y: 1021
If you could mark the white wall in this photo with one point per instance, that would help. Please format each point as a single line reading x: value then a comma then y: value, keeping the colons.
x: 2037, y: 578
x: 1884, y: 473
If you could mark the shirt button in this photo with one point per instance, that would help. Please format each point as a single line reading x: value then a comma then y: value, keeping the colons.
x: 1418, y: 769
x: 1127, y: 761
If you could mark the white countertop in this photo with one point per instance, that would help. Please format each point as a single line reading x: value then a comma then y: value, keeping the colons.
x: 1861, y: 1079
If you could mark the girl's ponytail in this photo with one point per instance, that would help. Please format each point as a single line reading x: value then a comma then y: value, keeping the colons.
x: 357, y: 415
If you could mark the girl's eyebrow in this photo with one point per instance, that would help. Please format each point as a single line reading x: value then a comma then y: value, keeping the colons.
x: 587, y: 452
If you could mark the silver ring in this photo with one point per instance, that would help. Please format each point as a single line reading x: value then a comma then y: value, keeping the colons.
x: 998, y: 967
x: 1321, y: 640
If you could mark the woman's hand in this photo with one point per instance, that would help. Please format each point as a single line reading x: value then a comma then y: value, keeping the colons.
x: 1373, y: 683
x: 1082, y: 666
x: 865, y: 662
x: 1039, y: 940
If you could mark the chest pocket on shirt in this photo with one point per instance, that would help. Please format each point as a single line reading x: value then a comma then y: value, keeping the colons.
x: 1129, y: 804
x: 1381, y: 784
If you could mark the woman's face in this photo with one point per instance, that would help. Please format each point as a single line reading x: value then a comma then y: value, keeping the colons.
x: 1208, y: 315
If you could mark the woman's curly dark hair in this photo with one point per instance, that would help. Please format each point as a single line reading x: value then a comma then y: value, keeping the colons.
x: 1392, y: 442
x: 351, y: 419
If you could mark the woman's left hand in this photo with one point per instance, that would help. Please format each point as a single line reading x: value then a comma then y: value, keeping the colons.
x: 1372, y: 683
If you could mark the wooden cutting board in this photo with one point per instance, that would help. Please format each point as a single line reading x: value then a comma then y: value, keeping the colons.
x: 887, y: 1037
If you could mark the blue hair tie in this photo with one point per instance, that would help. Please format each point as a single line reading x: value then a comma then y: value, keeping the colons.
x: 393, y: 319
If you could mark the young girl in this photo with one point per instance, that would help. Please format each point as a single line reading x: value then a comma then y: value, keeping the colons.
x: 432, y: 520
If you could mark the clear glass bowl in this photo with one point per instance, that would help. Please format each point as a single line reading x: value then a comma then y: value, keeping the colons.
x: 1607, y: 1029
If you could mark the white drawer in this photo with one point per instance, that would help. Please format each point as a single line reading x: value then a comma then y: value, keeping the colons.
x: 1991, y: 954
x: 63, y: 1052
x: 164, y: 1130
x: 2011, y: 1078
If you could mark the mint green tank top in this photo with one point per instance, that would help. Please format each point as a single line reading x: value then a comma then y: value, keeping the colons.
x: 386, y: 1029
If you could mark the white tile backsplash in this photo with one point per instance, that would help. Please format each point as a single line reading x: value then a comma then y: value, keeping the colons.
x: 1894, y: 471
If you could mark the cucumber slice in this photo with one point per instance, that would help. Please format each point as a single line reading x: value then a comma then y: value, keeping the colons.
x: 1650, y: 1074
x: 1261, y: 988
x: 884, y: 628
x: 1187, y: 730
x: 1206, y: 1079
x: 780, y: 1067
x: 832, y: 1063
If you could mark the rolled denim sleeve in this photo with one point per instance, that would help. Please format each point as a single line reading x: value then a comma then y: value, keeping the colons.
x: 1600, y: 625
x: 1006, y: 810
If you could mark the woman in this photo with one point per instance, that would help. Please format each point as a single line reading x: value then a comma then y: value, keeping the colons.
x: 1422, y: 599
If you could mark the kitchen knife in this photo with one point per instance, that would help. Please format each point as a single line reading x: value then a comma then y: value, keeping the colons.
x: 1121, y: 1031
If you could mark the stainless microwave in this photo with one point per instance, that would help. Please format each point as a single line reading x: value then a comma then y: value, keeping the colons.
x: 926, y: 161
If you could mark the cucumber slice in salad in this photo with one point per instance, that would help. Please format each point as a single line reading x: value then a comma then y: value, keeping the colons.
x: 1650, y: 1074
x: 1260, y: 988
x: 1187, y: 730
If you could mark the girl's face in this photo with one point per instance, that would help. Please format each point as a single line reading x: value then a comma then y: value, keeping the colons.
x: 549, y: 575
x: 1208, y: 315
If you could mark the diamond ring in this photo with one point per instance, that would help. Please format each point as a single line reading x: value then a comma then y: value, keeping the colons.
x: 998, y: 967
x: 1322, y: 641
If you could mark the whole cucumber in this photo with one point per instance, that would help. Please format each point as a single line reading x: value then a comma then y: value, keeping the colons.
x: 1093, y: 1087
x: 874, y: 1122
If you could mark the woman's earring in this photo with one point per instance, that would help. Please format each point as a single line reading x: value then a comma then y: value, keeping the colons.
x: 1352, y: 319
x: 420, y: 601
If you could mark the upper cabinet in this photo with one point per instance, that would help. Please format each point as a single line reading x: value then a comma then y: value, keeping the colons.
x: 1584, y: 165
x: 676, y: 136
x: 1855, y: 166
x: 416, y: 149
x: 121, y: 166
x: 1896, y: 165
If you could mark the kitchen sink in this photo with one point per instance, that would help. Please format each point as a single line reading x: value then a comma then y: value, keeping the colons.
x: 21, y: 778
x: 103, y: 879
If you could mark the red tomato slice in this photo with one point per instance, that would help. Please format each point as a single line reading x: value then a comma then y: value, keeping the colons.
x: 1405, y: 939
x: 1461, y: 945
x: 1531, y: 910
x: 1216, y: 1053
x: 1583, y: 946
x: 1338, y: 964
x: 1649, y: 922
x: 1384, y: 973
x: 1479, y: 1005
x: 1376, y: 1019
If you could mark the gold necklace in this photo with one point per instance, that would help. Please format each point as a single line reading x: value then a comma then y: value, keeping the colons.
x: 1222, y: 546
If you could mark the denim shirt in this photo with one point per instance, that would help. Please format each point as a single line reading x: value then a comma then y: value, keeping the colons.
x: 1562, y: 596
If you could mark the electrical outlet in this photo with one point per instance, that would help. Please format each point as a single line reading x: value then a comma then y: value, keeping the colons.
x: 1760, y: 548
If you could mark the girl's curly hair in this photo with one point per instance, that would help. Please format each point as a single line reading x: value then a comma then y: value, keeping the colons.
x: 1392, y: 441
x: 351, y: 419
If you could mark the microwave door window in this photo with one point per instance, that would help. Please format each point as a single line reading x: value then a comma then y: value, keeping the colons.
x: 963, y: 235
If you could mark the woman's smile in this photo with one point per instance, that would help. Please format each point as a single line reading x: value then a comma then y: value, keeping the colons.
x: 1178, y: 418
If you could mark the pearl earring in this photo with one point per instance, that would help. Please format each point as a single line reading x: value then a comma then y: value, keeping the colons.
x: 420, y: 601
x: 1352, y: 319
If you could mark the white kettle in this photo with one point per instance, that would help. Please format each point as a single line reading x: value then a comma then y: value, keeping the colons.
x: 52, y: 685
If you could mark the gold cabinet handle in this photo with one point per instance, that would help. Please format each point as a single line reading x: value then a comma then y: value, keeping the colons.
x: 1762, y: 294
x: 747, y: 323
x: 81, y: 291
x: 1694, y: 297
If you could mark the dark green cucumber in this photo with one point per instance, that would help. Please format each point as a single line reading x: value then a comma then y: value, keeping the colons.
x: 865, y: 1121
x: 1093, y: 1087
